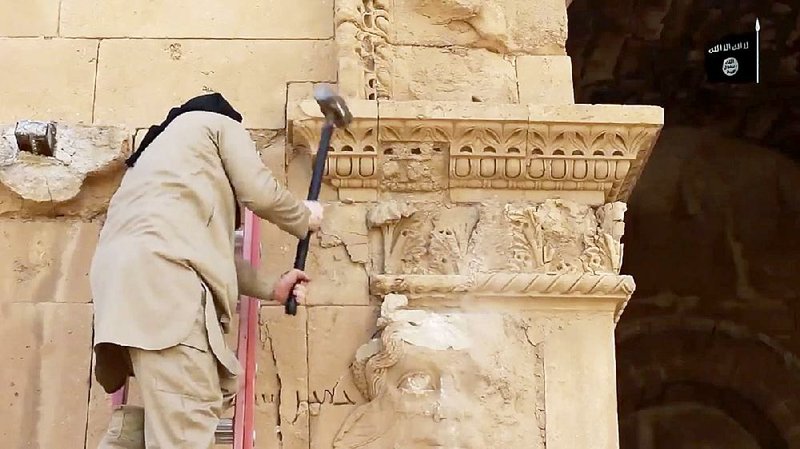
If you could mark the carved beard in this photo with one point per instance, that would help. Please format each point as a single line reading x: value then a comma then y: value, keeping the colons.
x: 370, y: 426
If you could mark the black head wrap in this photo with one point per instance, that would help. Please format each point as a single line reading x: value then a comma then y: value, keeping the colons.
x: 208, y: 103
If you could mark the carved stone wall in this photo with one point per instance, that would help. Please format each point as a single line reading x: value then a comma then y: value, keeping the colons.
x: 478, y: 219
x: 449, y: 50
x: 469, y: 151
x: 470, y: 185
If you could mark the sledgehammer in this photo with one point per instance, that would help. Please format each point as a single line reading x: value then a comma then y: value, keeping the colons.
x: 337, y: 115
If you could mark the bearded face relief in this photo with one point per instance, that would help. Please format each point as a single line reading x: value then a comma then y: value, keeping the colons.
x: 430, y: 384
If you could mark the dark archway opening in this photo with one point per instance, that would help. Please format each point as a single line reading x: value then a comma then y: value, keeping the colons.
x: 709, y: 406
x: 651, y: 52
x: 712, y: 226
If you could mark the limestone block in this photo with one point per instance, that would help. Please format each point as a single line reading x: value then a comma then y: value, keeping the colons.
x: 81, y: 152
x: 296, y: 94
x: 448, y: 110
x: 46, y: 260
x: 428, y: 73
x: 338, y: 257
x: 597, y: 114
x: 581, y: 409
x: 505, y: 26
x: 545, y: 79
x: 251, y: 74
x: 334, y: 335
x: 29, y: 18
x: 254, y: 19
x: 46, y: 349
x: 277, y: 247
x: 34, y: 92
x: 91, y: 203
x: 281, y: 419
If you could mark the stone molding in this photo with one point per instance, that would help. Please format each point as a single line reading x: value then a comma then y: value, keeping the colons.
x: 588, y: 153
x: 508, y: 286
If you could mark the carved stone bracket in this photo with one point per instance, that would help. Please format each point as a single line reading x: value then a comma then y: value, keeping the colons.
x: 592, y: 154
x: 508, y: 286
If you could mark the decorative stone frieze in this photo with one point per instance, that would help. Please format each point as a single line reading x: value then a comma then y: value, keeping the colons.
x: 587, y: 153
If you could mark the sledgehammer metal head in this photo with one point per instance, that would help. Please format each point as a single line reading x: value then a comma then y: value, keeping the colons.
x: 36, y: 137
x: 333, y: 107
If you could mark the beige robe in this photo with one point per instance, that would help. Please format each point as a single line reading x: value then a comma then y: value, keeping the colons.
x: 170, y: 229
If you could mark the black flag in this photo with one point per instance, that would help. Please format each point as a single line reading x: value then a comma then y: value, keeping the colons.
x: 733, y: 59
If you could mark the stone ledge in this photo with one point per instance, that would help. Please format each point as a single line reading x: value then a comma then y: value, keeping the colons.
x: 588, y: 153
x: 538, y: 287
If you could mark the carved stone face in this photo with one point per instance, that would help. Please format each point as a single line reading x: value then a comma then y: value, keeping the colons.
x: 426, y: 401
x: 431, y: 384
x: 431, y: 393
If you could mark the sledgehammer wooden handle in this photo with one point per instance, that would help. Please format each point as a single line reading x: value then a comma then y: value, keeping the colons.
x: 313, y: 195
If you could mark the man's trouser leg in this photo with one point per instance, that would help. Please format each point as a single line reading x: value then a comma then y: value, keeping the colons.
x: 180, y: 388
x: 126, y: 429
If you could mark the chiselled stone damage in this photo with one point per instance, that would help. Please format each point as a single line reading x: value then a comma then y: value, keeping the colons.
x: 84, y: 157
x: 447, y: 380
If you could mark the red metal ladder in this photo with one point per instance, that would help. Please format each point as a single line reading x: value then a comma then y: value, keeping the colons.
x: 240, y: 430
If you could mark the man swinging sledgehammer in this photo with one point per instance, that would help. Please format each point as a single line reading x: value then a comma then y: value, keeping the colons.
x: 164, y: 277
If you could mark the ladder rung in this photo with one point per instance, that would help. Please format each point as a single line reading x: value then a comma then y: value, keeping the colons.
x: 224, y: 433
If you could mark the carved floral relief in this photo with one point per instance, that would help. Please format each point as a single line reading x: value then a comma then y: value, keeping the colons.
x: 555, y: 236
x: 475, y: 158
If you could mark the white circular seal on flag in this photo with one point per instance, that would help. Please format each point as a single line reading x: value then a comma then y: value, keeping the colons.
x: 730, y: 66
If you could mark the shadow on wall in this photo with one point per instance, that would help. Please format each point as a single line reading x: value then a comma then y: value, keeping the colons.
x: 711, y: 240
x: 715, y: 217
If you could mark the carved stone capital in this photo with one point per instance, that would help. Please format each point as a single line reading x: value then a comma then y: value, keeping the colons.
x: 467, y: 152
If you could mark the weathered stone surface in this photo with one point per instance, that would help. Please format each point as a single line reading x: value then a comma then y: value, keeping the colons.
x: 545, y: 79
x: 33, y: 92
x: 338, y: 257
x: 429, y: 150
x: 447, y: 378
x: 334, y: 335
x: 46, y: 260
x: 253, y: 19
x: 29, y: 19
x: 282, y: 382
x: 89, y: 204
x: 506, y: 26
x: 181, y: 69
x: 427, y: 73
x: 81, y: 151
x: 277, y: 246
x: 580, y: 382
x: 46, y: 349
